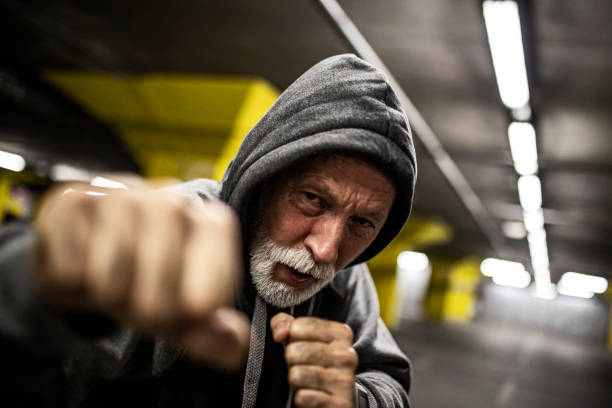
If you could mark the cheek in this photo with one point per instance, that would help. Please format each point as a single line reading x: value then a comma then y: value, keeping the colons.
x: 348, y: 251
x: 286, y: 227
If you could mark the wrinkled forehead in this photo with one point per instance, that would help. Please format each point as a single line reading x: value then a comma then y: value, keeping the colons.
x: 337, y: 162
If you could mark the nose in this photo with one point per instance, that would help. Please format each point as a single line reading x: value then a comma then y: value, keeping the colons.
x: 324, y: 240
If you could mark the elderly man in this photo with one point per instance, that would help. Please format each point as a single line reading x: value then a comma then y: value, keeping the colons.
x: 321, y: 184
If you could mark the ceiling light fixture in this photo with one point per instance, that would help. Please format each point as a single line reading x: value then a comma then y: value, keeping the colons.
x: 530, y: 193
x: 412, y: 261
x: 516, y: 279
x: 538, y: 250
x: 504, y: 32
x: 65, y: 172
x: 574, y: 292
x: 514, y: 229
x: 11, y: 161
x: 533, y: 220
x: 522, y: 138
x: 583, y: 283
x: 491, y: 266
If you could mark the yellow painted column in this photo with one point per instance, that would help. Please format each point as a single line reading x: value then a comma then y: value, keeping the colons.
x: 385, y: 279
x: 610, y: 325
x: 434, y: 302
x: 460, y: 296
x: 4, y: 194
x: 419, y: 232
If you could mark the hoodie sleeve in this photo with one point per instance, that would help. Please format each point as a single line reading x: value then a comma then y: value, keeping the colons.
x: 384, y: 372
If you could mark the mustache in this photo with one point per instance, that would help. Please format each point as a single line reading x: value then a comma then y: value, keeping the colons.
x: 300, y: 260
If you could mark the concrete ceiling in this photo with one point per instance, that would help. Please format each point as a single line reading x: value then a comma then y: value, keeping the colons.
x: 436, y: 49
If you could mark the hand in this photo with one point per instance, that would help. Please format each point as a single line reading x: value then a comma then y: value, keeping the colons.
x: 152, y: 261
x: 320, y: 358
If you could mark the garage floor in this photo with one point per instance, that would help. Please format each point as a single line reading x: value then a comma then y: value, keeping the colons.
x: 494, y: 365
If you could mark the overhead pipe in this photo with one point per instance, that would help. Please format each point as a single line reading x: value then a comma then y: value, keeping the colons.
x: 357, y: 42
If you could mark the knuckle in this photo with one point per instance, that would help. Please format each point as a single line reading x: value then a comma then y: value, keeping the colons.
x: 278, y: 318
x: 299, y: 327
x: 294, y: 352
x: 300, y: 375
x: 193, y: 305
x: 291, y: 353
x: 347, y: 332
x: 304, y: 398
x: 222, y: 217
x: 347, y: 357
x: 296, y: 375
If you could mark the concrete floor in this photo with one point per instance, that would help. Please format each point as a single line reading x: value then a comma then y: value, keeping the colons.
x: 495, y: 365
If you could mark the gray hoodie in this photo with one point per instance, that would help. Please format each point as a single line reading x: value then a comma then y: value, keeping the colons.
x: 340, y: 105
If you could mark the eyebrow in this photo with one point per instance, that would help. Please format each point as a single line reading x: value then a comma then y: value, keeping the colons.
x: 376, y: 214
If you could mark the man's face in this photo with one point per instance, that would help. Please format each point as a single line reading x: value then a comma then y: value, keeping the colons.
x: 314, y: 220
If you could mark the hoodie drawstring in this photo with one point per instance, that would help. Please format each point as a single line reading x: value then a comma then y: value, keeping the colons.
x: 256, y: 354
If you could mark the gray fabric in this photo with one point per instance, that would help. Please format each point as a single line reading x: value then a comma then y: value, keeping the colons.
x: 342, y: 104
x: 256, y: 354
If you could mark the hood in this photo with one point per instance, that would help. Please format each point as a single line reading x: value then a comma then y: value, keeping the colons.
x: 342, y: 104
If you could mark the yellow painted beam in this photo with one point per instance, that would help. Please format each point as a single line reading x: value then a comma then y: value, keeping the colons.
x: 183, y: 126
x: 259, y: 98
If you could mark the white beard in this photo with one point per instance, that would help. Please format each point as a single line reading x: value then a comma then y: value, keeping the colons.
x: 264, y: 254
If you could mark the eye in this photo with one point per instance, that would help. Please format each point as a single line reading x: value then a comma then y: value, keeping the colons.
x: 309, y: 202
x: 311, y: 196
x: 363, y: 222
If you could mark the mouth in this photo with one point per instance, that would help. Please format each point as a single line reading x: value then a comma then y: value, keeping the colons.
x: 292, y: 277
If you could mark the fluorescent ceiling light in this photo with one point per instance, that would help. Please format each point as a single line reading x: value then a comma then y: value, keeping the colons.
x: 66, y: 172
x: 504, y: 32
x: 517, y: 279
x: 584, y: 283
x: 538, y: 248
x: 534, y: 220
x: 575, y: 292
x: 11, y: 161
x: 521, y: 136
x: 492, y: 266
x: 539, y: 262
x: 513, y: 229
x: 107, y: 183
x: 530, y: 192
x: 544, y: 291
x: 412, y: 261
x: 523, y: 113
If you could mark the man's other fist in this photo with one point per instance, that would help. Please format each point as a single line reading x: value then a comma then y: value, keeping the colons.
x: 320, y: 358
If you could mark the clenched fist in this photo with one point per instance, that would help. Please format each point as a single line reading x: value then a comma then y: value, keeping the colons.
x: 151, y: 261
x: 320, y: 358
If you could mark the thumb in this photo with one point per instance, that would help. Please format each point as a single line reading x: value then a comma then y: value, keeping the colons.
x: 281, y: 325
